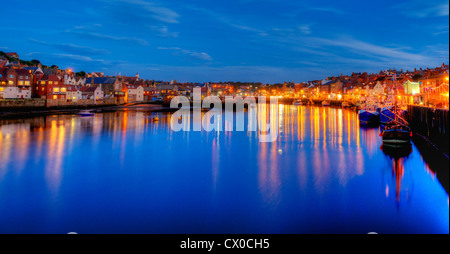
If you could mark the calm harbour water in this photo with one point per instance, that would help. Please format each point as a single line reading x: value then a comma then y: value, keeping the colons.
x: 121, y: 172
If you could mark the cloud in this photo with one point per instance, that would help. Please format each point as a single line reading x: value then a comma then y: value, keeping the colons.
x: 324, y: 9
x: 247, y: 28
x: 108, y: 37
x: 424, y: 9
x: 76, y: 57
x: 231, y: 21
x: 305, y: 29
x: 163, y: 31
x: 369, y: 49
x: 190, y: 53
x: 72, y: 48
x: 137, y: 11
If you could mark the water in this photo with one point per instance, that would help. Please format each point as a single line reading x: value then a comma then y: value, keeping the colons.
x: 121, y: 172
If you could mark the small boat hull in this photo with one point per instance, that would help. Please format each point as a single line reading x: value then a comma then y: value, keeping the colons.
x: 85, y: 113
x: 396, y: 137
x: 369, y: 117
x: 325, y: 103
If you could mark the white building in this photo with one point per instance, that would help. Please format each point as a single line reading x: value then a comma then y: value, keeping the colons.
x: 16, y: 93
x: 135, y: 93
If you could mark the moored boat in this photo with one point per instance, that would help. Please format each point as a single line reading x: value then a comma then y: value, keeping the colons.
x: 396, y: 135
x: 297, y: 103
x: 369, y: 116
x: 325, y: 103
x: 85, y: 113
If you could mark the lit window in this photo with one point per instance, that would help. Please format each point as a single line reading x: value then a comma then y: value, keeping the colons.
x: 1, y: 89
x: 50, y: 82
x: 56, y: 82
x: 27, y: 83
x: 10, y: 82
x: 55, y: 97
x: 20, y: 83
x: 56, y: 90
x: 42, y: 82
x: 63, y: 90
x: 43, y: 89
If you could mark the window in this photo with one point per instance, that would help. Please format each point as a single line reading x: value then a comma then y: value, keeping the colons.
x: 20, y: 83
x: 56, y: 82
x: 63, y: 90
x: 43, y: 89
x: 1, y: 89
x: 50, y: 82
x: 27, y: 83
x: 26, y: 77
x: 11, y: 76
x: 55, y: 97
x: 56, y: 90
x: 42, y: 82
x: 10, y: 82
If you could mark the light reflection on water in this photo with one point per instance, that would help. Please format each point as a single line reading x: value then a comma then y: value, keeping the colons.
x: 122, y: 172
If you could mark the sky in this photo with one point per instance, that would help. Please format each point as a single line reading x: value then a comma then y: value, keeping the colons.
x: 265, y: 41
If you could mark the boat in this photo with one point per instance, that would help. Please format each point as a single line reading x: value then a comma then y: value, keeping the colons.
x: 369, y: 116
x: 85, y: 113
x: 155, y: 119
x: 297, y: 103
x: 396, y: 135
x: 325, y: 103
x: 345, y: 104
x: 369, y: 113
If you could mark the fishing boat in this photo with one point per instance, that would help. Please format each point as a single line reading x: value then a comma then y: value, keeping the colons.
x: 369, y: 116
x: 396, y: 135
x: 369, y: 113
x: 325, y: 103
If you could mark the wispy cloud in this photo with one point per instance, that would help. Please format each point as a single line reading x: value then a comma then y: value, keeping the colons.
x: 77, y: 58
x: 72, y: 48
x: 140, y: 10
x: 190, y: 53
x: 163, y: 31
x: 99, y: 36
x: 325, y: 9
x: 231, y: 21
x: 368, y: 49
x: 424, y: 9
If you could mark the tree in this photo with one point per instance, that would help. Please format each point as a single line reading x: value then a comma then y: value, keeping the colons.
x: 416, y: 77
x: 80, y: 74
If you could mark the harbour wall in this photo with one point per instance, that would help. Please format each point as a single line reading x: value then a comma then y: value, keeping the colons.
x: 433, y: 124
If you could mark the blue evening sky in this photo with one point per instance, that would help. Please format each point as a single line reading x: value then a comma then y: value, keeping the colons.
x: 233, y: 40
